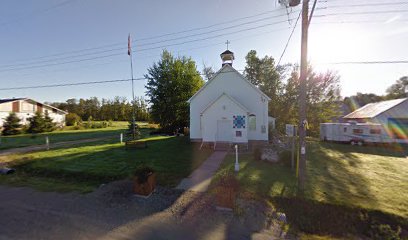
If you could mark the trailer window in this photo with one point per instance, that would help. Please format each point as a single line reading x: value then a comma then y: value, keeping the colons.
x: 357, y: 131
x: 375, y: 131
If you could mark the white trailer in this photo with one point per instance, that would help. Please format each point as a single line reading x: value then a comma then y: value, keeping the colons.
x: 354, y: 133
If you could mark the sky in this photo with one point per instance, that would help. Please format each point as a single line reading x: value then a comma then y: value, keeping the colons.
x: 70, y: 41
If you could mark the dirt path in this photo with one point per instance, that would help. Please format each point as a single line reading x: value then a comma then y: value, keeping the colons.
x: 52, y: 145
x: 112, y: 212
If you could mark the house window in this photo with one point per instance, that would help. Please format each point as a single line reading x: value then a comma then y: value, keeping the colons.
x: 238, y: 134
x: 357, y: 131
x: 345, y: 129
x: 375, y: 131
x: 252, y: 122
x: 238, y: 122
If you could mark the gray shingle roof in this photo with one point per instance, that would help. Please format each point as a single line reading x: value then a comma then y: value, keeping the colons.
x: 373, y: 109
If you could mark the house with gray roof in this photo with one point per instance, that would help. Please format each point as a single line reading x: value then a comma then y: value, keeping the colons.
x: 392, y: 114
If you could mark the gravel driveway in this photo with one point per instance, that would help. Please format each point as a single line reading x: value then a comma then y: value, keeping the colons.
x: 112, y: 212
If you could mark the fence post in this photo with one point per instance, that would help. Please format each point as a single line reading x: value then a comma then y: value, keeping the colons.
x: 121, y: 137
x: 47, y: 142
x: 236, y: 159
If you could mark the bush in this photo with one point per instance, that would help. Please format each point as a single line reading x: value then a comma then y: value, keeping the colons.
x: 285, y: 157
x: 72, y: 119
x: 142, y: 173
x: 384, y: 232
x: 12, y: 125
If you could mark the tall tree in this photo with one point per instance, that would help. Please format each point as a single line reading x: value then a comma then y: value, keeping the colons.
x: 12, y: 125
x: 171, y: 82
x: 397, y: 90
x: 263, y: 73
x: 208, y: 72
x: 323, y: 99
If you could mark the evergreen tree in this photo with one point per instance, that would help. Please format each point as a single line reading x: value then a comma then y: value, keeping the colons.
x: 171, y: 82
x: 49, y: 125
x: 133, y: 128
x: 36, y: 123
x: 12, y: 125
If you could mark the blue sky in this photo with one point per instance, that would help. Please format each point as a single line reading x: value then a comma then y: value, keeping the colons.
x: 42, y: 42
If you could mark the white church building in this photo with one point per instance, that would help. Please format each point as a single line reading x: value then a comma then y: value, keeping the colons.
x: 229, y: 108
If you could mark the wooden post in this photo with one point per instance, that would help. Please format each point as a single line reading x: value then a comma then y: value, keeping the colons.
x: 236, y: 159
x: 302, y: 97
x: 121, y: 138
x: 47, y: 142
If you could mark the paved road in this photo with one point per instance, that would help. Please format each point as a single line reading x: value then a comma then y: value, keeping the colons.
x: 112, y: 212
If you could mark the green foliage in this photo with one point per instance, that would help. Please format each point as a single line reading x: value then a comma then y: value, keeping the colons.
x: 361, y: 99
x: 397, y: 90
x: 37, y: 123
x: 384, y: 232
x: 171, y: 82
x: 72, y: 119
x: 142, y: 173
x: 133, y: 131
x: 323, y: 92
x: 12, y: 125
x: 49, y: 125
x: 116, y: 109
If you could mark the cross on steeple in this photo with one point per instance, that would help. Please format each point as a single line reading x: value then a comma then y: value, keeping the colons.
x: 227, y: 42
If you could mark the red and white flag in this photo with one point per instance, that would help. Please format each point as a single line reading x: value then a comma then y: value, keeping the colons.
x: 129, y: 47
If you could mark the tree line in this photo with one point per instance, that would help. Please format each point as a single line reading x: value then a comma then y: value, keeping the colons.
x: 116, y: 109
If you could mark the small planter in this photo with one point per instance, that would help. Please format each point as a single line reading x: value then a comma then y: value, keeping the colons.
x: 144, y: 181
x: 226, y: 193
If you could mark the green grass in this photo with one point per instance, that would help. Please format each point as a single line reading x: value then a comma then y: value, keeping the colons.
x: 349, y: 188
x: 86, y: 166
x: 66, y: 134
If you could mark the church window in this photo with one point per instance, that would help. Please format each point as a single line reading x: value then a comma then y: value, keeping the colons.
x: 252, y: 122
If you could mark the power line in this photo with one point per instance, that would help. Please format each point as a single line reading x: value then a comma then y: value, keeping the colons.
x: 158, y: 36
x: 145, y: 44
x: 145, y: 49
x: 290, y: 37
x: 86, y: 83
x: 363, y: 13
x: 364, y: 5
x: 370, y: 62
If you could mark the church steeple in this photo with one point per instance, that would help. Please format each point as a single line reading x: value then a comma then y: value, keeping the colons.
x: 227, y: 56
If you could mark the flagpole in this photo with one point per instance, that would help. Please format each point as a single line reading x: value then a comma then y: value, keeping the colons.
x: 133, y: 90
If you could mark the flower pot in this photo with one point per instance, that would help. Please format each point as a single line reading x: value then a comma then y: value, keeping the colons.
x: 225, y: 197
x: 145, y: 188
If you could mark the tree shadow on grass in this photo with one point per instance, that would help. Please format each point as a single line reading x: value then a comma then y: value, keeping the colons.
x: 96, y: 163
x: 333, y: 176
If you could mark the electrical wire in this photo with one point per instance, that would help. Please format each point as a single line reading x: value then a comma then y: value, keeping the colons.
x: 290, y: 37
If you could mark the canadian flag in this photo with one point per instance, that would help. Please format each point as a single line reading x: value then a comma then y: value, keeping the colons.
x: 129, y: 47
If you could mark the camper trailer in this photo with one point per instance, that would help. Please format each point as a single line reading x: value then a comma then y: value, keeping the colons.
x: 354, y: 133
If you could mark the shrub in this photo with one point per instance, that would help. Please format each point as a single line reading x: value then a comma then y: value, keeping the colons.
x: 72, y: 119
x: 36, y: 123
x: 49, y: 125
x: 12, y: 125
x: 384, y: 232
x: 142, y: 173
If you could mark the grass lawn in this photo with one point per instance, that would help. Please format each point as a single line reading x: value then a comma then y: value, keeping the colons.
x: 340, y: 177
x: 66, y: 134
x: 85, y: 166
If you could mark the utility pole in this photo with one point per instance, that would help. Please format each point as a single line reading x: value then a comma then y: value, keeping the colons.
x: 302, y: 97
